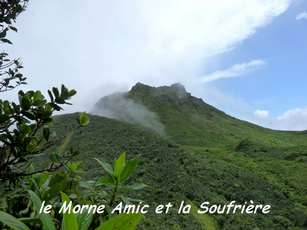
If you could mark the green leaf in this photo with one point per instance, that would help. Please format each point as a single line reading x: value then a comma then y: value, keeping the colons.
x: 25, y: 102
x: 3, y: 33
x: 7, y: 107
x: 64, y: 92
x: 38, y: 98
x: 73, y: 166
x: 51, y: 96
x: 29, y: 115
x: 129, y: 169
x: 6, y: 41
x: 69, y: 219
x: 119, y: 165
x: 106, y: 166
x: 84, y: 220
x: 55, y: 92
x: 24, y: 129
x: 83, y: 119
x: 72, y: 92
x: 105, y: 180
x: 121, y: 222
x: 13, y: 28
x: 18, y: 75
x: 57, y: 183
x: 12, y: 222
x: 56, y: 107
x: 41, y: 178
x: 45, y: 218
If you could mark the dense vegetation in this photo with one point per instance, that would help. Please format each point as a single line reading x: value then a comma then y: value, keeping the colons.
x: 206, y: 155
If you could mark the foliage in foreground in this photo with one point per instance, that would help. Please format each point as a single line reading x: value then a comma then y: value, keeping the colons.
x: 71, y: 187
x: 24, y: 125
x: 32, y: 166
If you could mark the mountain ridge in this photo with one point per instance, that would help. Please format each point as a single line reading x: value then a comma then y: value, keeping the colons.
x: 189, y: 120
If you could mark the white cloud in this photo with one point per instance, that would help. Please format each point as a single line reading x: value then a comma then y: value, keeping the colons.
x: 301, y: 16
x: 293, y: 119
x: 262, y: 114
x: 90, y: 46
x: 234, y: 71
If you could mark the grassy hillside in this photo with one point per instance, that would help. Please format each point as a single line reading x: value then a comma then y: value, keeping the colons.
x: 190, y: 121
x: 204, y: 155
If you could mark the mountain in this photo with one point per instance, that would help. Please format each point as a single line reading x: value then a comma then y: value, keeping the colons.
x: 188, y: 120
x: 192, y: 151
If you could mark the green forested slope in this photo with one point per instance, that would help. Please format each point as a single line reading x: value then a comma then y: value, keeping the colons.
x: 205, y: 155
x: 191, y: 121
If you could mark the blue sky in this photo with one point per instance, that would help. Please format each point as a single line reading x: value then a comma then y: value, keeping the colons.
x: 281, y: 84
x: 245, y: 57
x: 278, y: 87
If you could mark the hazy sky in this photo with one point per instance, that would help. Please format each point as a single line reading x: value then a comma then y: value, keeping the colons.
x: 245, y: 57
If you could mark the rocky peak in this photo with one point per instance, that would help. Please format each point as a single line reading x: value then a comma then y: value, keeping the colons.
x: 176, y: 90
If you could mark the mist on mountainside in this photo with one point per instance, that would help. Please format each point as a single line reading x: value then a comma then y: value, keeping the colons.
x: 119, y: 107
